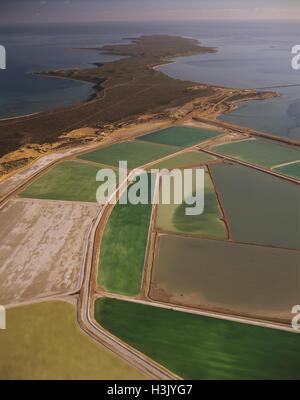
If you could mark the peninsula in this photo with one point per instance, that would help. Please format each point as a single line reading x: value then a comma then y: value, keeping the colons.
x: 128, y: 91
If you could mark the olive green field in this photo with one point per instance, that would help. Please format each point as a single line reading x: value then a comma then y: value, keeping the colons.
x: 259, y: 152
x: 172, y: 217
x: 292, y: 170
x: 135, y: 153
x: 44, y: 341
x: 181, y: 136
x: 69, y: 180
x: 198, y: 347
x: 182, y: 160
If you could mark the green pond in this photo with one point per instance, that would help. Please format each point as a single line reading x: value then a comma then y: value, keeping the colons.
x: 173, y: 218
x: 69, y: 180
x: 292, y: 170
x: 261, y: 208
x: 259, y: 152
x: 182, y: 136
x: 182, y: 160
x: 135, y: 153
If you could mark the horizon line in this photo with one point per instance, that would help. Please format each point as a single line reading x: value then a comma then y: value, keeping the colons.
x: 150, y: 21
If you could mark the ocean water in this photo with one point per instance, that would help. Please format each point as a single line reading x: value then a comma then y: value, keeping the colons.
x: 40, y: 48
x: 278, y: 116
x: 250, y: 54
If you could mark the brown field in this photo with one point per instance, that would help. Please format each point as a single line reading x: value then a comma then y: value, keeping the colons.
x: 41, y: 247
x: 228, y: 277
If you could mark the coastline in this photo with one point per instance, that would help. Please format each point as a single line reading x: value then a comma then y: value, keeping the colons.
x: 90, y: 97
x: 217, y: 100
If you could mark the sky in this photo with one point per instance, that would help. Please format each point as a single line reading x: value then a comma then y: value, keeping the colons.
x: 47, y: 11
